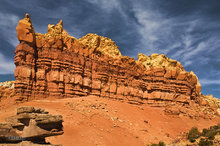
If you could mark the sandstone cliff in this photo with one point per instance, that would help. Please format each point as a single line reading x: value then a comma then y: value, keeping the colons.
x: 57, y: 64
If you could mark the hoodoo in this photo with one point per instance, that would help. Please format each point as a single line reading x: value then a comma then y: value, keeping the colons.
x: 57, y: 64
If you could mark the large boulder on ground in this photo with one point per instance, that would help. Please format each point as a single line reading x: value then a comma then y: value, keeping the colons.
x: 30, y: 124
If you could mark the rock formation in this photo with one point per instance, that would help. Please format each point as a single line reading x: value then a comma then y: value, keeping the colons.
x: 7, y: 90
x: 30, y: 124
x: 57, y: 64
x: 9, y: 84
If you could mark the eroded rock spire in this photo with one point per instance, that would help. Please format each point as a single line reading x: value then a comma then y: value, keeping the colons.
x: 25, y: 30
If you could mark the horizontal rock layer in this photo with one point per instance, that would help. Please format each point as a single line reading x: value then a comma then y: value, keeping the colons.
x: 57, y: 64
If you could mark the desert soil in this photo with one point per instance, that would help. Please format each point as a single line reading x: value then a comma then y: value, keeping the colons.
x: 106, y: 122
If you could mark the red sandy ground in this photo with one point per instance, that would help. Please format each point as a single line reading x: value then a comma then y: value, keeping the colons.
x: 100, y: 121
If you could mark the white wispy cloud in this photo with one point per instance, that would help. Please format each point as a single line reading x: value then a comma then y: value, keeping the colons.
x: 6, y: 66
x: 148, y: 28
x: 187, y: 63
x: 107, y: 5
x: 8, y: 19
x: 200, y: 47
x: 164, y: 35
x: 173, y: 36
x: 210, y: 81
x: 156, y: 29
x: 159, y: 33
x: 8, y: 25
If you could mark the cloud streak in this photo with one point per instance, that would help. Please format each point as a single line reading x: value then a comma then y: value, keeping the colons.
x: 6, y: 66
x: 8, y: 24
x: 209, y: 82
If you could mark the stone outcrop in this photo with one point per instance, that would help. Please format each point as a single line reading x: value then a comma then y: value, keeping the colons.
x: 30, y: 124
x: 210, y: 100
x: 7, y: 90
x: 9, y: 84
x: 28, y: 143
x: 57, y: 64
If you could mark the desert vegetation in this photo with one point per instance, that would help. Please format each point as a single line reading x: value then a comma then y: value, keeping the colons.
x: 205, y: 138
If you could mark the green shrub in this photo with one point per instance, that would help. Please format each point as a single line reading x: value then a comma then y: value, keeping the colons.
x: 193, y: 134
x: 205, y: 131
x: 161, y: 143
x: 211, y: 132
x: 205, y: 142
x: 211, y: 135
x: 216, y: 127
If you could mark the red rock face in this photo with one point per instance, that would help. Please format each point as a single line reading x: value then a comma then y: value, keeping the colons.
x: 56, y: 64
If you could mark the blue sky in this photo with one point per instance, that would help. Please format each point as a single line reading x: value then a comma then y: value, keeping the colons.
x: 184, y: 30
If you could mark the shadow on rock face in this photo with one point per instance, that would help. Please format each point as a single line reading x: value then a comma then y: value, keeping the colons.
x: 30, y: 125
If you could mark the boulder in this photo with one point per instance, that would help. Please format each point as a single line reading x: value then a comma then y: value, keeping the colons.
x: 30, y: 124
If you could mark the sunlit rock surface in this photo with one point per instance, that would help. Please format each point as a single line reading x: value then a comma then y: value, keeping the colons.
x: 57, y: 64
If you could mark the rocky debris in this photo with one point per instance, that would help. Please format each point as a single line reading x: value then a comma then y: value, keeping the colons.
x: 57, y: 64
x: 210, y: 100
x: 156, y: 60
x: 172, y: 111
x: 89, y: 109
x: 28, y: 143
x: 30, y: 124
x: 9, y: 84
x: 100, y: 44
x: 194, y: 111
x: 7, y: 90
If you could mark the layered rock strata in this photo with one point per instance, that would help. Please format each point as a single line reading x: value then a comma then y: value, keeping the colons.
x: 31, y: 125
x: 57, y: 64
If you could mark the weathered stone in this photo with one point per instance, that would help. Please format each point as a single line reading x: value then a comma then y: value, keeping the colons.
x: 30, y: 124
x: 28, y: 143
x: 25, y: 30
x: 7, y: 90
x: 156, y: 60
x: 172, y: 110
x: 96, y: 44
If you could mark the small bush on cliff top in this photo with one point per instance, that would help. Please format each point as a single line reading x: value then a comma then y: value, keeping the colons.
x: 193, y: 134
